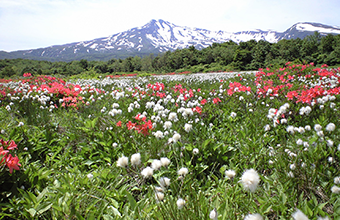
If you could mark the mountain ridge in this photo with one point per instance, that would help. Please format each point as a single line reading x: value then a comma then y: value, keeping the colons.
x: 159, y: 36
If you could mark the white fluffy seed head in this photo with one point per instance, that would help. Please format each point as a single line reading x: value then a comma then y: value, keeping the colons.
x: 253, y: 217
x: 159, y: 196
x: 330, y: 127
x: 250, y: 179
x: 230, y: 174
x: 135, y: 159
x: 213, y: 214
x: 298, y: 215
x: 165, y: 161
x: 164, y: 182
x: 147, y: 172
x: 123, y: 161
x: 335, y: 189
x: 180, y: 203
x: 156, y: 164
x: 183, y: 171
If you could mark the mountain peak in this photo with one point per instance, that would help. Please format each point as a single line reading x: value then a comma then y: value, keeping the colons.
x: 159, y: 36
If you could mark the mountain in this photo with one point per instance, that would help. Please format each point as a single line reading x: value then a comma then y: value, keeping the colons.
x: 159, y: 36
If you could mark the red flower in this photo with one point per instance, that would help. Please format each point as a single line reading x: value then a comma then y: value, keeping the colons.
x: 12, y: 163
x: 119, y: 124
x: 216, y: 100
x: 130, y: 125
x: 12, y: 145
x: 203, y: 102
x: 3, y: 153
x: 197, y: 109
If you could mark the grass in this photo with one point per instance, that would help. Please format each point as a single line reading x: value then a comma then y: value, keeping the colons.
x: 71, y: 138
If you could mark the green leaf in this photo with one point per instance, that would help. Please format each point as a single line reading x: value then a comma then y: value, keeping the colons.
x: 42, y: 210
x: 32, y: 211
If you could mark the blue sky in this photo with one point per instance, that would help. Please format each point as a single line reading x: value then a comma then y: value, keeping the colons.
x: 30, y: 24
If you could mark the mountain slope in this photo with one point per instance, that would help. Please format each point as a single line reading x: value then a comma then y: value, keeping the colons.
x: 160, y: 36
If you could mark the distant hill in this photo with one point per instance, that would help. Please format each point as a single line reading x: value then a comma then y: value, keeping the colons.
x: 159, y: 36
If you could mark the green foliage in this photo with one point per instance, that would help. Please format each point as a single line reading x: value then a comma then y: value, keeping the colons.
x: 250, y: 55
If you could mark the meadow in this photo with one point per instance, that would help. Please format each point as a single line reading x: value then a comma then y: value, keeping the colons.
x: 249, y: 145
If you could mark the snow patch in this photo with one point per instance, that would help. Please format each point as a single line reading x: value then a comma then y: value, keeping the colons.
x: 312, y: 28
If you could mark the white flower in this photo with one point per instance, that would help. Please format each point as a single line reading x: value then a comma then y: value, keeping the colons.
x: 317, y: 127
x: 308, y: 128
x: 176, y: 137
x: 156, y: 164
x: 187, y: 127
x: 147, y: 172
x: 335, y: 189
x: 159, y: 134
x: 298, y: 215
x: 180, y: 203
x: 135, y: 159
x: 250, y: 179
x: 292, y: 166
x: 337, y: 180
x: 195, y: 151
x: 90, y: 175
x: 233, y: 114
x: 230, y: 174
x: 123, y: 161
x: 253, y: 217
x: 290, y: 174
x: 114, y: 144
x: 213, y: 214
x: 165, y: 161
x: 266, y: 127
x: 330, y: 143
x: 173, y: 116
x: 325, y: 218
x: 330, y: 127
x: 159, y: 196
x: 290, y: 129
x: 164, y: 182
x: 299, y: 142
x: 21, y: 124
x: 183, y: 171
x: 167, y: 125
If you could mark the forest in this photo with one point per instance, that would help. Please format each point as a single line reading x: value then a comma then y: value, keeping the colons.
x: 227, y: 56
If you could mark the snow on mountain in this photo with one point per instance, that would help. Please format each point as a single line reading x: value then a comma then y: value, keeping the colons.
x: 317, y: 27
x: 160, y: 36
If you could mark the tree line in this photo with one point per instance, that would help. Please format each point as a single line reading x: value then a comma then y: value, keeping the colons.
x: 227, y: 56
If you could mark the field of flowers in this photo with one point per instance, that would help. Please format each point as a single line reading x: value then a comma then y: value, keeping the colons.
x: 251, y: 145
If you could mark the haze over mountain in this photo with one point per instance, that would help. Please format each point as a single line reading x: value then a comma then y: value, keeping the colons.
x: 159, y: 36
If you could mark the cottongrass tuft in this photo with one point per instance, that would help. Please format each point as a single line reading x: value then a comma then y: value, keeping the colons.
x: 135, y: 159
x: 250, y: 179
x: 165, y: 161
x: 230, y: 174
x: 164, y: 182
x: 183, y: 171
x: 213, y: 214
x: 156, y: 164
x: 298, y: 215
x: 180, y: 203
x: 159, y: 196
x: 176, y: 137
x: 123, y: 161
x: 147, y: 172
x: 195, y: 151
x: 330, y: 127
x: 256, y: 216
x: 335, y: 189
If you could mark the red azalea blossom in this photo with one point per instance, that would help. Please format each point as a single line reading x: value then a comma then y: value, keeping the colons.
x: 12, y: 163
